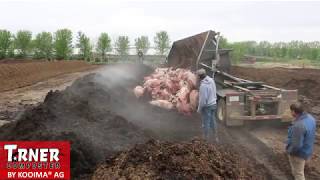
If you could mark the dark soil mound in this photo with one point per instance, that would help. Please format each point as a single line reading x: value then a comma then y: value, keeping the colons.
x: 189, y: 160
x: 83, y: 115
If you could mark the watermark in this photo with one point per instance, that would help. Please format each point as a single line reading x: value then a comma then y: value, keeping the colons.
x: 34, y: 160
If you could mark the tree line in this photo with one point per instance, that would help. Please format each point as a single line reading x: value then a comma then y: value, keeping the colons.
x: 59, y: 45
x: 281, y: 50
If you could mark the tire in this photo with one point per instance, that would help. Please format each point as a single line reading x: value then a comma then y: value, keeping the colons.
x: 221, y: 111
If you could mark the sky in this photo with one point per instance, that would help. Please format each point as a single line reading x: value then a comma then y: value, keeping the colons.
x: 236, y: 20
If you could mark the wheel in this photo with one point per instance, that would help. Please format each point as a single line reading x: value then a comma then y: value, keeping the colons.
x: 221, y: 111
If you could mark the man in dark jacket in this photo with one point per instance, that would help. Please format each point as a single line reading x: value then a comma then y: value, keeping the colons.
x: 140, y: 55
x: 301, y: 137
x: 207, y: 104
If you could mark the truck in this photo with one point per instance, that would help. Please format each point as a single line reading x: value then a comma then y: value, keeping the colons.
x: 238, y: 100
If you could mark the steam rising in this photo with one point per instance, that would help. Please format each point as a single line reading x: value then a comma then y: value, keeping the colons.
x: 121, y: 79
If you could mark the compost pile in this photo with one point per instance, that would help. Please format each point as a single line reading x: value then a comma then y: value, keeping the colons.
x: 171, y: 88
x: 187, y: 160
x: 83, y: 115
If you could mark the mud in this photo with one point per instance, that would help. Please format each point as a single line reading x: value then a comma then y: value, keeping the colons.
x: 187, y: 160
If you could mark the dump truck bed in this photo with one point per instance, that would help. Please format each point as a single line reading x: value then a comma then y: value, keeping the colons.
x: 184, y: 52
x: 191, y: 52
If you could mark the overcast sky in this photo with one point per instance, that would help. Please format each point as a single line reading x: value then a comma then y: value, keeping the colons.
x: 237, y: 20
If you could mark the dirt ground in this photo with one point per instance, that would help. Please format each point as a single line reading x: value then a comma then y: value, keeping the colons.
x: 308, y: 84
x: 15, y: 74
x: 14, y: 102
x: 103, y: 106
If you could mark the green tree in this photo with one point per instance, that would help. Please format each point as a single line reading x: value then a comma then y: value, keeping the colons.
x: 238, y: 52
x: 122, y: 45
x: 85, y: 48
x: 63, y: 44
x: 290, y: 50
x: 11, y: 50
x: 43, y: 46
x: 314, y: 50
x: 162, y: 42
x: 223, y: 42
x: 142, y: 43
x: 22, y: 43
x: 5, y: 42
x: 103, y: 45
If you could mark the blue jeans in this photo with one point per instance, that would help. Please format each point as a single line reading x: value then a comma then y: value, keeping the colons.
x: 208, y: 115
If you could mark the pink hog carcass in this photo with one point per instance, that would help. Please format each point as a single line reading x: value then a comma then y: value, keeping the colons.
x: 162, y: 104
x: 183, y: 93
x: 184, y: 107
x: 191, y: 79
x: 138, y: 91
x: 171, y: 88
x: 194, y: 98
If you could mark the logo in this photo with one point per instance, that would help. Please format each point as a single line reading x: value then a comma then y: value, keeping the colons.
x: 34, y: 160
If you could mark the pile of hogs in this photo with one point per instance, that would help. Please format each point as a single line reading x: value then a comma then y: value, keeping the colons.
x: 171, y: 88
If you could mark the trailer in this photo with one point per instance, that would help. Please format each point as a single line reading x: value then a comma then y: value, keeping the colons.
x: 239, y: 100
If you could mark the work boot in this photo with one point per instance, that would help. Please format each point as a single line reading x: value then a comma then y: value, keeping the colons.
x: 210, y: 137
x: 215, y: 137
x: 205, y: 137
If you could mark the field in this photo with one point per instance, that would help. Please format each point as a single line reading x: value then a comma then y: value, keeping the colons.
x: 268, y: 62
x: 15, y: 74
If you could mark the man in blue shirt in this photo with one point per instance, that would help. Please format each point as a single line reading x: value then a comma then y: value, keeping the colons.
x: 301, y: 137
x: 207, y: 104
